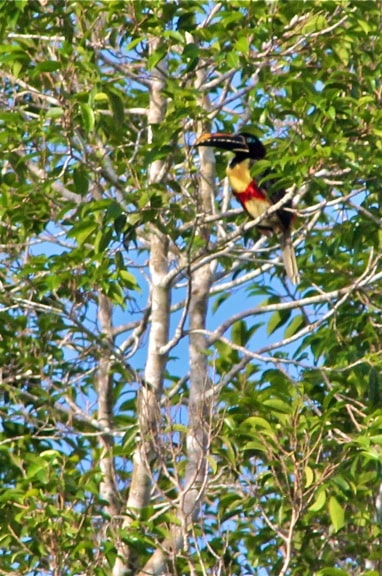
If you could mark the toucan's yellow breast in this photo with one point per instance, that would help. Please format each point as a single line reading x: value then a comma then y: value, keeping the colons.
x: 239, y: 176
x: 256, y: 207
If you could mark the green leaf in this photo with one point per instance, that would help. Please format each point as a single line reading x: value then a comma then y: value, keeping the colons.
x: 242, y: 45
x: 239, y: 333
x: 117, y: 105
x: 278, y: 319
x: 294, y: 326
x: 375, y: 388
x: 364, y: 25
x: 335, y: 572
x: 102, y: 240
x: 319, y: 501
x: 154, y: 58
x: 219, y: 300
x: 55, y: 112
x: 83, y: 230
x: 88, y: 118
x: 38, y: 469
x: 44, y: 67
x: 337, y: 514
x: 255, y: 445
x: 259, y: 423
x: 314, y: 23
x: 309, y: 476
x: 277, y: 405
x: 129, y: 280
x: 81, y: 180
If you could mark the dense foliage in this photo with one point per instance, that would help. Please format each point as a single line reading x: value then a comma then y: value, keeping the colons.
x: 169, y: 402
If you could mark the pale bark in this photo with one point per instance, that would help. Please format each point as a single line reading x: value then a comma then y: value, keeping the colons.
x: 108, y: 487
x: 149, y: 410
x: 200, y: 402
x: 199, y: 433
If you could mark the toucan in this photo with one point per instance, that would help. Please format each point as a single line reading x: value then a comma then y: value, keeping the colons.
x: 254, y: 198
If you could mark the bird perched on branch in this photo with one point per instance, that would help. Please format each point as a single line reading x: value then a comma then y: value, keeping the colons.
x: 253, y: 198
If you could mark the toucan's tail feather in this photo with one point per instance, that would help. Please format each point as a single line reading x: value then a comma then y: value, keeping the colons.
x: 289, y: 258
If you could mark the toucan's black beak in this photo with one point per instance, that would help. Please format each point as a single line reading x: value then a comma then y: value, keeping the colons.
x: 233, y: 142
x: 243, y: 145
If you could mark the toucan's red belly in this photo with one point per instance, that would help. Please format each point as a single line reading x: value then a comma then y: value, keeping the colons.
x: 255, y: 203
x: 251, y: 192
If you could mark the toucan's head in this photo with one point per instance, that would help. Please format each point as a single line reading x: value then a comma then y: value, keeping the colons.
x: 243, y: 145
